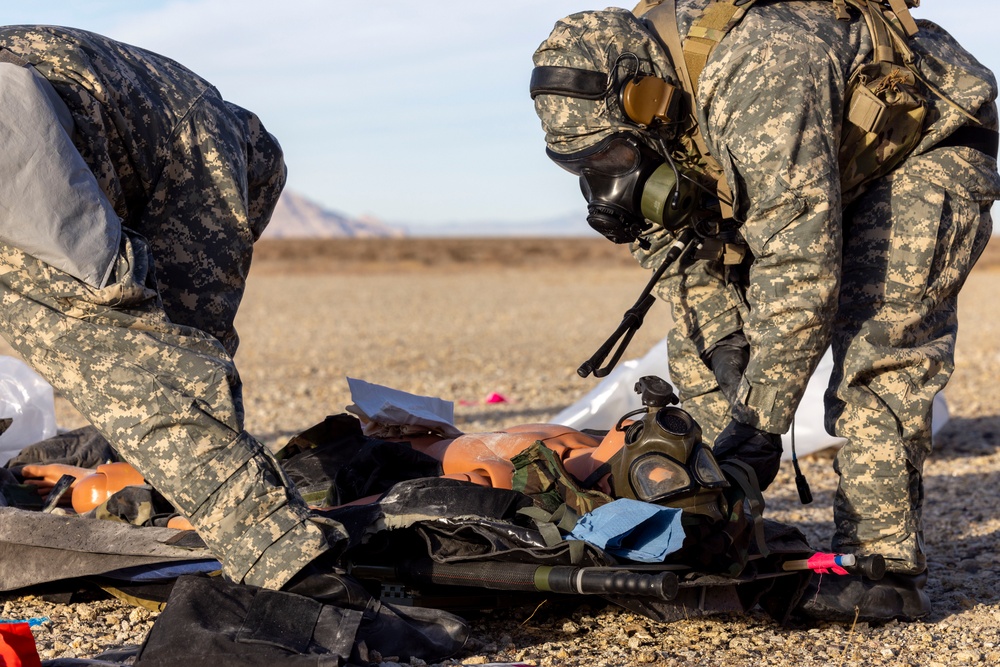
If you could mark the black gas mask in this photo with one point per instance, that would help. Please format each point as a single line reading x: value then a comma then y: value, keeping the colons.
x: 628, y: 187
x: 628, y: 184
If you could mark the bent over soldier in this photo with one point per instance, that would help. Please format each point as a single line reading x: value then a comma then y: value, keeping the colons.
x: 130, y: 198
x: 821, y: 174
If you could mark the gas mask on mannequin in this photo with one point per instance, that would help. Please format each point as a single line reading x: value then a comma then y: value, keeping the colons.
x: 664, y: 460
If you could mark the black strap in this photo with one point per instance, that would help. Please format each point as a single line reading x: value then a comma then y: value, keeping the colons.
x: 594, y: 477
x: 970, y: 136
x: 572, y: 81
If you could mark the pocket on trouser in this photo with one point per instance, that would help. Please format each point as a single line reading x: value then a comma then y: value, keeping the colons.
x: 43, y: 304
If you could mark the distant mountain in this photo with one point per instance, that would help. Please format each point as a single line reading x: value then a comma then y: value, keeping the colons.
x: 296, y: 216
x: 572, y: 224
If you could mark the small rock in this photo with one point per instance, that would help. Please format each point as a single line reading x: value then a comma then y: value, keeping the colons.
x: 137, y: 615
x: 570, y: 628
x: 967, y: 657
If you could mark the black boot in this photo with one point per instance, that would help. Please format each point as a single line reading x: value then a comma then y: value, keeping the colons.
x: 834, y: 597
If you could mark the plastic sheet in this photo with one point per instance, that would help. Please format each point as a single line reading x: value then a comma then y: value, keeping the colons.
x: 27, y: 399
x: 603, y: 405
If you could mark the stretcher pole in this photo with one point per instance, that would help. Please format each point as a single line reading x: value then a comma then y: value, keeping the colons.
x: 532, y: 577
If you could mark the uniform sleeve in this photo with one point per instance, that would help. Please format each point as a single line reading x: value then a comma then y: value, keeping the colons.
x: 772, y: 117
x: 51, y: 205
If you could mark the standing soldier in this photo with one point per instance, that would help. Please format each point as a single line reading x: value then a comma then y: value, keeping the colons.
x: 828, y: 169
x: 130, y: 198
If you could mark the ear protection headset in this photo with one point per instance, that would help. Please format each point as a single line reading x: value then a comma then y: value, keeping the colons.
x: 644, y: 99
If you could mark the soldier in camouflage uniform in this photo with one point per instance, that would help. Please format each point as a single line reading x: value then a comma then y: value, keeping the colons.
x: 873, y: 270
x: 126, y: 303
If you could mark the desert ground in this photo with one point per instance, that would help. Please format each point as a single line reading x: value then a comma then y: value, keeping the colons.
x: 463, y: 319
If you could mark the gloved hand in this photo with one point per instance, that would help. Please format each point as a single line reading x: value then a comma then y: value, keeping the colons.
x: 728, y: 359
x: 758, y: 449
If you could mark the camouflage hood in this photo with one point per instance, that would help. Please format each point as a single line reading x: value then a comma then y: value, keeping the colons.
x: 595, y: 40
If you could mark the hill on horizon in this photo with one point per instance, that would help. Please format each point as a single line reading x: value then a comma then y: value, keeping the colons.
x: 298, y: 217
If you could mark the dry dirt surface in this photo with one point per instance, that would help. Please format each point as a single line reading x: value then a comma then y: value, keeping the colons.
x: 463, y: 319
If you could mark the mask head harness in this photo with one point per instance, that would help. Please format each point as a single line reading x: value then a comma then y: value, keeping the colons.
x: 628, y: 185
x: 664, y: 460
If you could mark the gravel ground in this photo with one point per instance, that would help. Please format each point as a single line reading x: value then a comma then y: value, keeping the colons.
x: 462, y: 332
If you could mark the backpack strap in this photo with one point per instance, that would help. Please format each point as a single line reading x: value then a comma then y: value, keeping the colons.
x: 901, y: 8
x: 708, y: 31
x: 721, y: 16
x: 662, y: 14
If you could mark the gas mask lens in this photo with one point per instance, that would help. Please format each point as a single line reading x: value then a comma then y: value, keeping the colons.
x: 664, y: 459
x: 707, y: 470
x: 654, y: 477
x: 616, y: 156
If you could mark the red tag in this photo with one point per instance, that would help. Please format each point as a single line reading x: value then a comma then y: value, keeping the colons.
x: 17, y: 646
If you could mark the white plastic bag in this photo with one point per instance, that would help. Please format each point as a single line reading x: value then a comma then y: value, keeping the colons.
x: 28, y: 399
x: 602, y: 407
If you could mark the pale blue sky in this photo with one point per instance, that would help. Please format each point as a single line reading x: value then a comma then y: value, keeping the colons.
x: 414, y: 112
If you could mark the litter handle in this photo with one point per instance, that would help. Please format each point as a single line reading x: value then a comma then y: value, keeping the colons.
x: 871, y: 566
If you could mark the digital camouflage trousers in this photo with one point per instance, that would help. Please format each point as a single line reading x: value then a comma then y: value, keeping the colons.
x: 909, y: 244
x: 148, y: 358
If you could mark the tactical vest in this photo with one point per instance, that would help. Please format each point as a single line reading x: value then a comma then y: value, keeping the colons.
x: 885, y: 99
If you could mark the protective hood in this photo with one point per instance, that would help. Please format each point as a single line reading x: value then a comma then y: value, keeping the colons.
x: 595, y: 40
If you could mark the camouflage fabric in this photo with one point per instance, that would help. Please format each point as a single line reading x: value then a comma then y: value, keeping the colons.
x: 827, y: 269
x: 573, y: 127
x: 148, y: 358
x: 539, y: 473
x: 705, y: 308
x: 894, y: 340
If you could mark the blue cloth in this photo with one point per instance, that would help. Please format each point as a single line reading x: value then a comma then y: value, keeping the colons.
x: 32, y: 622
x: 161, y: 572
x: 631, y: 529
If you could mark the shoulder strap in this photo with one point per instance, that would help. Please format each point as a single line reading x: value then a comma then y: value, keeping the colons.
x: 710, y: 29
x: 662, y: 14
x: 901, y: 8
x: 691, y: 54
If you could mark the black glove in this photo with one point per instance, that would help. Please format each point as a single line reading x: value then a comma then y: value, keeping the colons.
x: 728, y: 359
x: 758, y: 449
